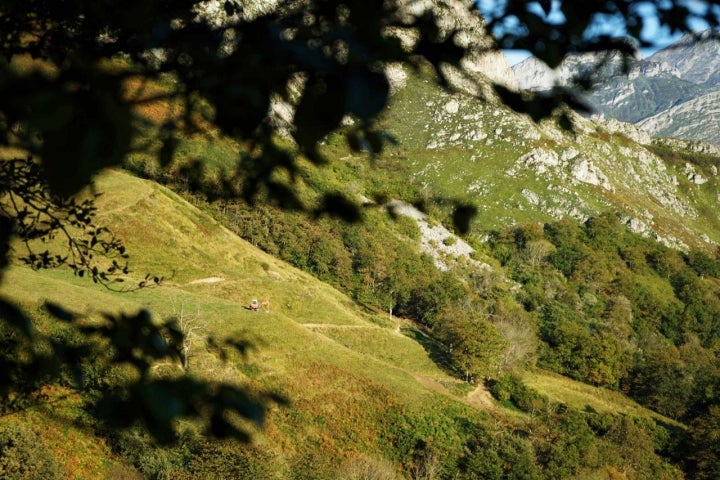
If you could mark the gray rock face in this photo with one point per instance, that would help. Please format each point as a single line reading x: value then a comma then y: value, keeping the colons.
x: 673, y: 93
x: 696, y: 119
x: 443, y: 246
x: 533, y: 74
x: 695, y: 59
x: 585, y: 171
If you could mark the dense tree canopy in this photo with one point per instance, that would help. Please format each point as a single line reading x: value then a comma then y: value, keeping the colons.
x: 74, y: 74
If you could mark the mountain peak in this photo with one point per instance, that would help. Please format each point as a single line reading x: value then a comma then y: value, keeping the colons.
x: 533, y: 74
x: 696, y: 57
x: 671, y: 93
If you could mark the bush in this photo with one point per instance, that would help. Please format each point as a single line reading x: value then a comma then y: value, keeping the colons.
x: 153, y: 461
x: 449, y: 241
x: 313, y: 466
x: 510, y: 388
x: 23, y: 455
x: 364, y: 468
x: 122, y: 471
x: 503, y: 456
x: 219, y: 460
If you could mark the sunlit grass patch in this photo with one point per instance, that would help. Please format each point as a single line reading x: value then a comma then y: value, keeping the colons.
x: 583, y: 397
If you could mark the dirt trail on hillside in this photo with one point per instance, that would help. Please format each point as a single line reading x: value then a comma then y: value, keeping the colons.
x: 482, y: 398
x: 207, y: 280
x: 339, y: 327
x: 479, y: 398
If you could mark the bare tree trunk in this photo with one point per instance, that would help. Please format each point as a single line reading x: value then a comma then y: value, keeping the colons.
x: 189, y: 325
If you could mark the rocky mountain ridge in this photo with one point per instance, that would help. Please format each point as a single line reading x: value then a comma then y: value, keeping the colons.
x: 671, y: 93
x: 533, y: 74
x: 695, y: 118
x: 696, y: 59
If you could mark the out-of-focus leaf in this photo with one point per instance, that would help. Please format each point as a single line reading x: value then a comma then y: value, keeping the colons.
x: 369, y: 140
x: 6, y: 230
x: 241, y: 112
x: 376, y: 141
x: 546, y: 6
x: 437, y: 53
x: 220, y: 427
x: 320, y: 110
x: 565, y: 122
x: 59, y: 312
x: 463, y: 216
x: 94, y: 132
x: 241, y: 346
x: 167, y: 151
x: 354, y: 140
x: 337, y: 205
x: 538, y: 106
x: 368, y: 93
x: 16, y: 317
x: 284, y: 196
x: 576, y: 103
x: 231, y: 8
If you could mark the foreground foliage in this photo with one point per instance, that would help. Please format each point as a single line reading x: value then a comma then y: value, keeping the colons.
x: 69, y: 109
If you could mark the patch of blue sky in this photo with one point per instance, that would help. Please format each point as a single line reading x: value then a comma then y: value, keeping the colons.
x: 652, y: 33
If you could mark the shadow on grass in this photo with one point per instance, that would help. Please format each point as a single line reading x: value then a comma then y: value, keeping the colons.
x: 436, y: 351
x: 375, y: 313
x: 679, y: 437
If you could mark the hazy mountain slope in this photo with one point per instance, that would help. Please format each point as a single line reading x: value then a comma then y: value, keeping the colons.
x: 649, y: 89
x: 698, y: 118
x: 534, y: 74
x: 695, y: 60
x: 653, y: 87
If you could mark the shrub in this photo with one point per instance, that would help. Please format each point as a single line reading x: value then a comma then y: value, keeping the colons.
x: 510, y: 388
x: 122, y: 471
x: 23, y: 455
x: 219, y: 460
x: 503, y: 456
x: 364, y: 468
x: 449, y: 241
x: 313, y: 466
x: 152, y: 460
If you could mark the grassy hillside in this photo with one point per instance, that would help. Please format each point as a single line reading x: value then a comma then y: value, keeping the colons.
x: 365, y: 390
x: 518, y: 171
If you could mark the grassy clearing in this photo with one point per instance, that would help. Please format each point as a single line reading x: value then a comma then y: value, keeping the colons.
x: 388, y: 346
x: 583, y: 397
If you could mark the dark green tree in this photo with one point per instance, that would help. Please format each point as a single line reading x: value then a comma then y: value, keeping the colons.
x: 503, y: 456
x: 473, y: 343
x: 705, y: 456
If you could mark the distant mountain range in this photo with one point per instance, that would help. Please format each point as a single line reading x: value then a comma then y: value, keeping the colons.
x: 673, y: 93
